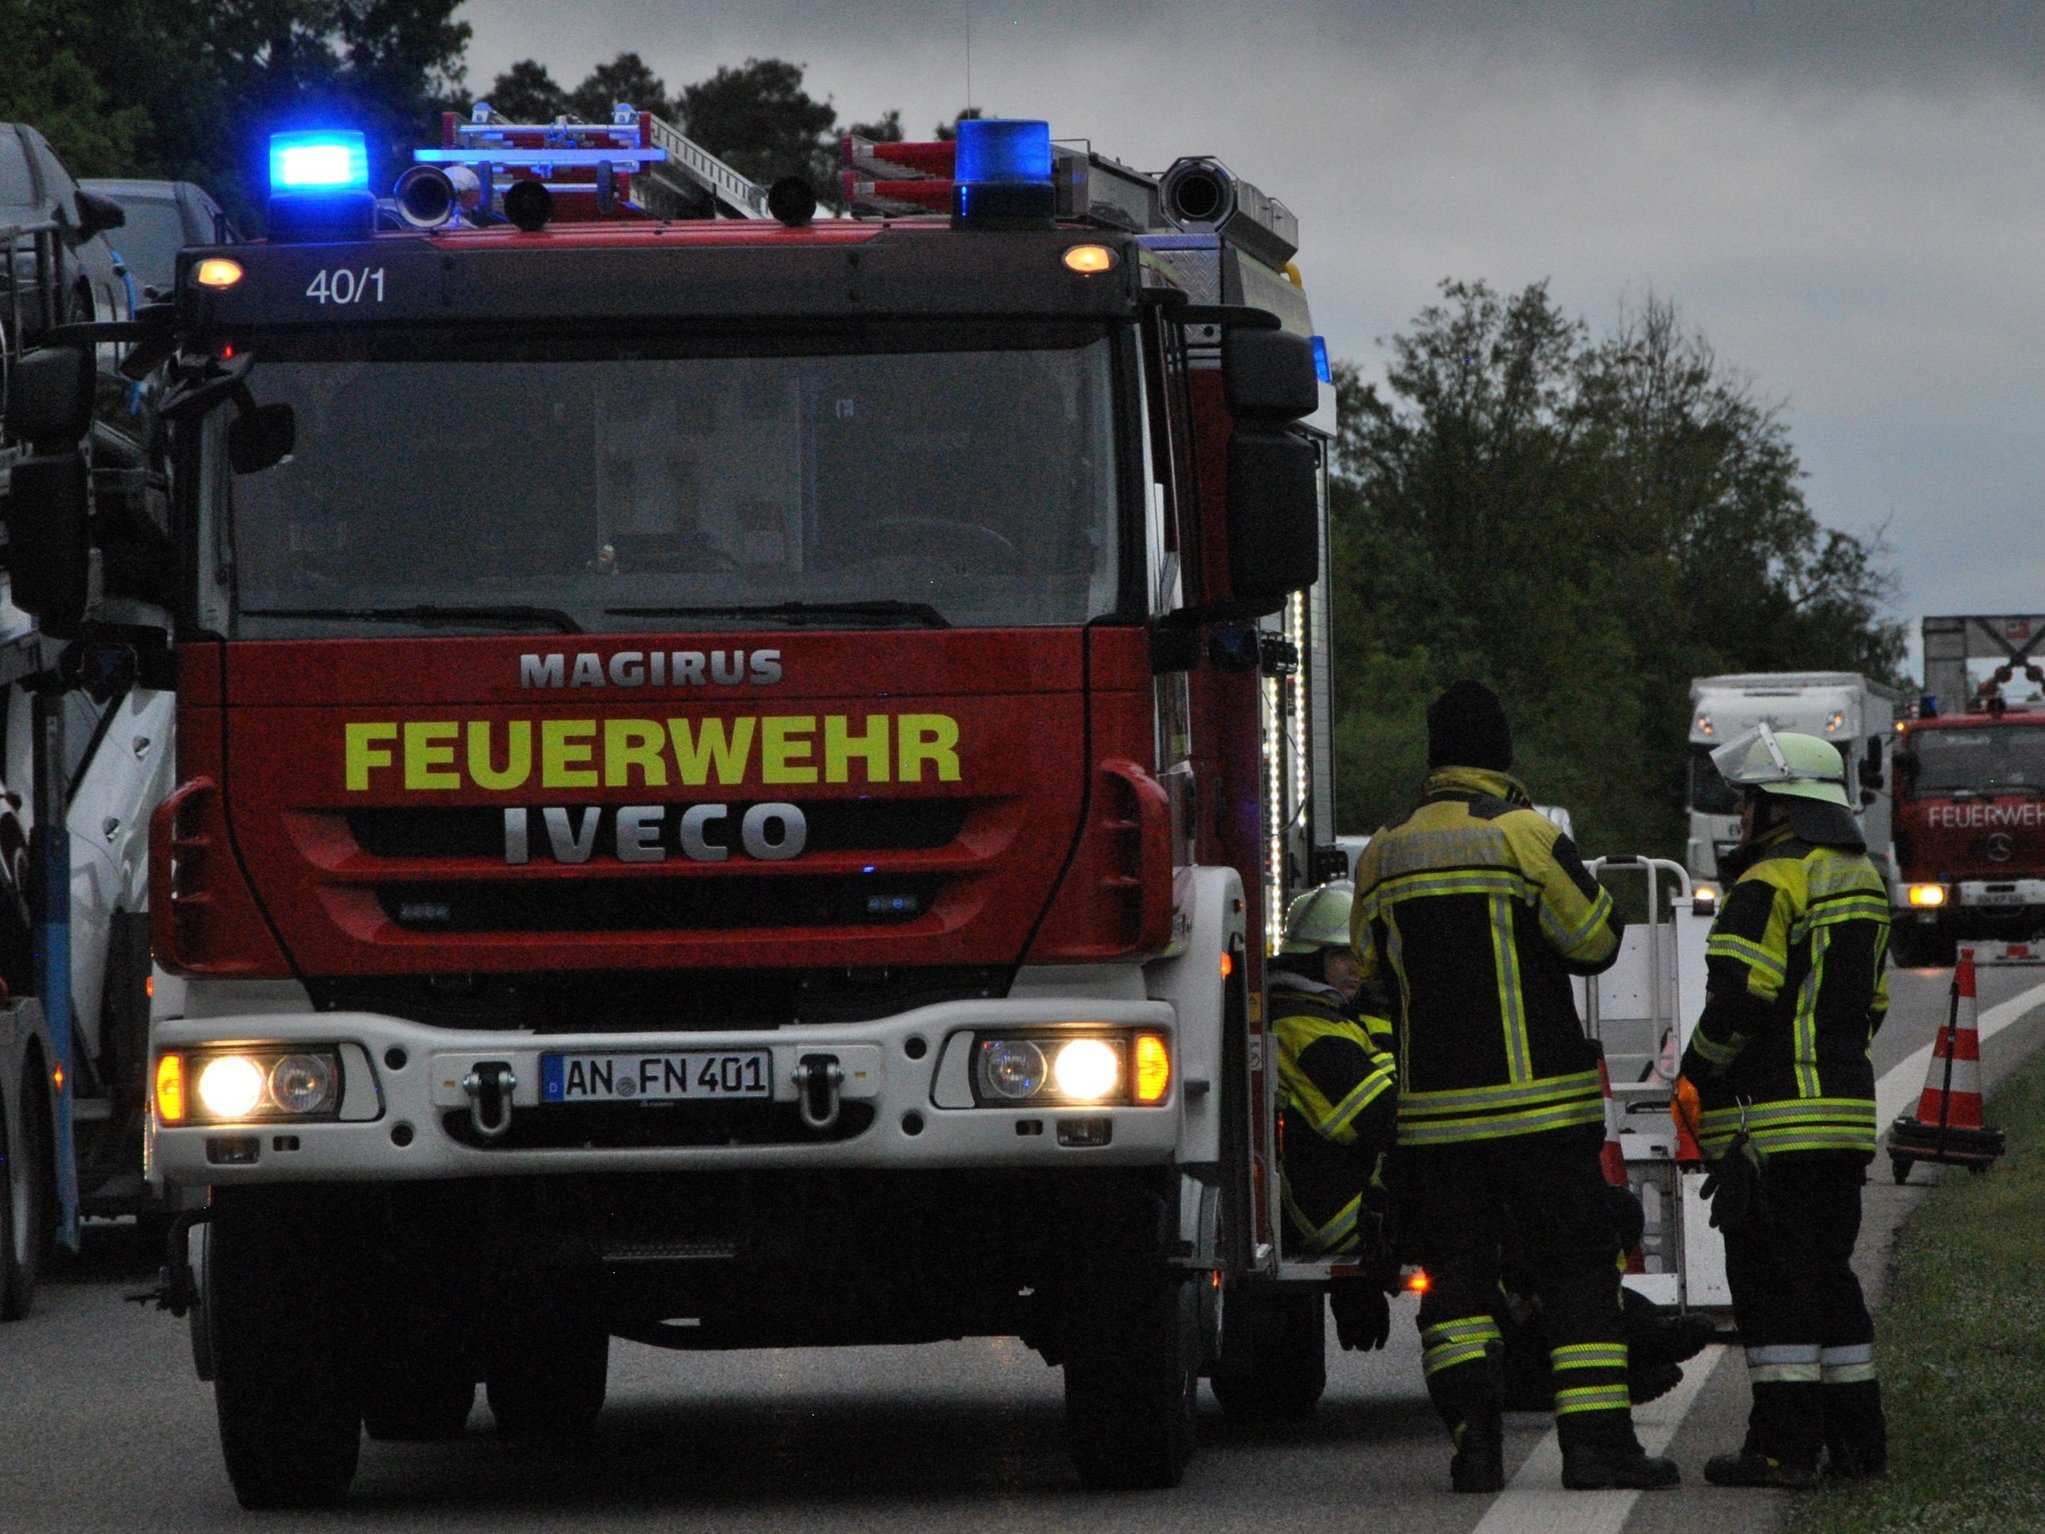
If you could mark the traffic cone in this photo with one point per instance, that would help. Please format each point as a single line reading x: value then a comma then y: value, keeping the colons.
x: 1947, y: 1126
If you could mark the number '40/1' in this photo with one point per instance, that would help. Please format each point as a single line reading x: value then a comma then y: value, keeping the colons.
x: 346, y: 285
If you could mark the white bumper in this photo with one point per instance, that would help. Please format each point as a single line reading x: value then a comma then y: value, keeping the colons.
x: 903, y: 1067
x: 1991, y: 894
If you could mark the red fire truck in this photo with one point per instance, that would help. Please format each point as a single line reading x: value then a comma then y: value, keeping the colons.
x: 1970, y: 793
x: 734, y: 777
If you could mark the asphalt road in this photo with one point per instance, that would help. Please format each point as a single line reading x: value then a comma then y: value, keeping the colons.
x: 104, y: 1426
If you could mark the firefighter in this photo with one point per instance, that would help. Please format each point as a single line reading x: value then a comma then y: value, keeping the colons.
x: 1335, y: 1081
x: 1779, y: 1088
x: 1473, y: 911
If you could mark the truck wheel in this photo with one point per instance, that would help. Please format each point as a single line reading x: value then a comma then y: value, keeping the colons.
x: 281, y: 1313
x: 1900, y: 1167
x: 1915, y: 948
x: 10, y: 1256
x: 1131, y: 1382
x: 551, y: 1385
x: 1282, y: 1366
x: 31, y: 1195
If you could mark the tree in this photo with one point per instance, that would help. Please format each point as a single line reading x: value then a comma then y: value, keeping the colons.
x: 946, y: 132
x: 886, y: 129
x: 192, y: 88
x: 759, y: 120
x: 1585, y: 525
x: 527, y: 93
x: 626, y: 78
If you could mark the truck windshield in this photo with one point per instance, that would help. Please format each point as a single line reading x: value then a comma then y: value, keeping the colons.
x: 1710, y: 794
x: 566, y: 483
x: 2003, y: 758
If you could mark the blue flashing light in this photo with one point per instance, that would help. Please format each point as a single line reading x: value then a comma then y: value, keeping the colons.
x: 1322, y: 369
x: 1003, y: 150
x: 319, y: 160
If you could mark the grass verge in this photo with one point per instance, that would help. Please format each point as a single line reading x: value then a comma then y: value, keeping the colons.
x: 1962, y: 1351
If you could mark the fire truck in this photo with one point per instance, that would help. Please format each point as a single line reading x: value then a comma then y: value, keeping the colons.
x: 736, y: 773
x: 1970, y: 792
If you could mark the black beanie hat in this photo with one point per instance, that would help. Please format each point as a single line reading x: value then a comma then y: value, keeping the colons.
x: 1466, y: 728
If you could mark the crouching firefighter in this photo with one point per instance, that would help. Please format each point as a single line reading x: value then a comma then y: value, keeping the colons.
x: 1473, y: 912
x: 1337, y: 1106
x: 1778, y: 1085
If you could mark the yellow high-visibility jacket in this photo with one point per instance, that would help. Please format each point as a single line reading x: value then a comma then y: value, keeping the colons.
x: 1471, y: 914
x: 1336, y: 1091
x: 1796, y: 988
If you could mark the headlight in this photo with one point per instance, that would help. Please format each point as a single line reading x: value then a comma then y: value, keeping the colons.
x: 236, y: 1086
x: 1927, y: 897
x: 1046, y: 1070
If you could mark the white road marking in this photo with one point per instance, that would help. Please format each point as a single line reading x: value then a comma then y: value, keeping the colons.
x: 1534, y: 1502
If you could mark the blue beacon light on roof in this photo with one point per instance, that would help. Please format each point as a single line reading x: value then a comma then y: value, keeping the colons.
x: 321, y: 160
x: 1002, y: 171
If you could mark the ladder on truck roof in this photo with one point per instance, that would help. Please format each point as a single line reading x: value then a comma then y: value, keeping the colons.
x: 635, y: 162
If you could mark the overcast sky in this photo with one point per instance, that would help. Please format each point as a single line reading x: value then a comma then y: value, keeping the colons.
x: 1847, y: 197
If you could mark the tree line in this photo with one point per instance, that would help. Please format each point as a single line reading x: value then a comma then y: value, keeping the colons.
x: 1584, y: 522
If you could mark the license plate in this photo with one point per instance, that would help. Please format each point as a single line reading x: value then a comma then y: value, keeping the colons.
x: 1998, y: 897
x: 663, y: 1077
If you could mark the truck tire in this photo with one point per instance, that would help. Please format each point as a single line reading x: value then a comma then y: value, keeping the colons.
x: 1277, y: 1371
x: 1912, y: 947
x: 551, y: 1384
x: 31, y: 1197
x: 281, y: 1312
x: 10, y: 1255
x: 1131, y: 1381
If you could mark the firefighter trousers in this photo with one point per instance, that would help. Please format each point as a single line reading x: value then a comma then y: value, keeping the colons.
x: 1459, y: 1203
x: 1809, y: 1337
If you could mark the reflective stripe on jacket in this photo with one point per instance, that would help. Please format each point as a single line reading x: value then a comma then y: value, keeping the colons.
x: 1795, y: 991
x: 1338, y: 1098
x: 1472, y: 913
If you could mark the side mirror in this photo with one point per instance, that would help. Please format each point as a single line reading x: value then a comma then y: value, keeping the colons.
x: 1269, y: 375
x: 1274, y: 518
x: 1871, y: 763
x: 1904, y: 761
x: 97, y: 213
x: 49, y: 549
x: 49, y: 398
x: 261, y: 438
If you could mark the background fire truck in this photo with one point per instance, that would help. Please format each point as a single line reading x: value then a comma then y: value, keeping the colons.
x: 1970, y: 792
x: 735, y: 777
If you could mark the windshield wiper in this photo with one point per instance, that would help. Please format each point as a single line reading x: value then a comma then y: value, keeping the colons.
x: 436, y: 616
x: 884, y: 610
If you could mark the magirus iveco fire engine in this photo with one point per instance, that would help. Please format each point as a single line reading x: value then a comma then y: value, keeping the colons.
x: 734, y: 777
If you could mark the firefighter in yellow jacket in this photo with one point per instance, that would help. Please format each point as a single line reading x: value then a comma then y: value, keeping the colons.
x: 1472, y: 912
x: 1778, y: 1085
x: 1337, y: 1094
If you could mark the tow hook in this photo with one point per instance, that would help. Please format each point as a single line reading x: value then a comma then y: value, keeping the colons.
x: 817, y: 1079
x: 490, y: 1086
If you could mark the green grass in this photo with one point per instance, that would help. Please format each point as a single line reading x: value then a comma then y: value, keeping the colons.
x: 1961, y: 1342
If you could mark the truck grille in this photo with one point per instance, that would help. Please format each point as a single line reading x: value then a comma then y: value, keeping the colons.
x: 700, y: 903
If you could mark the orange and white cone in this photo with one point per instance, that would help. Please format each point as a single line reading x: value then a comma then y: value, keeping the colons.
x: 1947, y: 1125
x: 1613, y: 1155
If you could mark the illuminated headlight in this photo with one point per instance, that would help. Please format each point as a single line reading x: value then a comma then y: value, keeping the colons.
x: 237, y: 1086
x: 1042, y: 1070
x: 1704, y: 898
x: 1927, y: 897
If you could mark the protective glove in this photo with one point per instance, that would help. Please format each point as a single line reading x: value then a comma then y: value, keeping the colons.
x: 1733, y: 1187
x: 1684, y: 1109
x: 1363, y: 1316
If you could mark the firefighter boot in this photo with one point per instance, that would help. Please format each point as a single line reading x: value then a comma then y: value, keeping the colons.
x: 1785, y: 1430
x: 1856, y: 1432
x: 1470, y: 1399
x: 1599, y: 1452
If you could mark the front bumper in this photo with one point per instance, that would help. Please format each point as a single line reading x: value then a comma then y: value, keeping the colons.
x: 411, y: 1119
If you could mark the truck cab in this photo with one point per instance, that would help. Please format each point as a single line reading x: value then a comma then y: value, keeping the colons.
x: 734, y: 776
